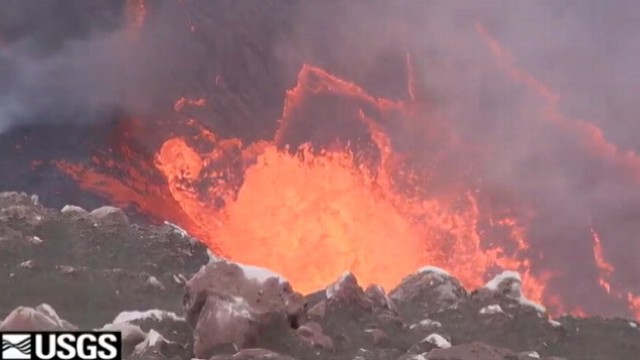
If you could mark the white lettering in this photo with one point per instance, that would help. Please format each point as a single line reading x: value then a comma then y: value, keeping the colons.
x: 108, y: 344
x: 86, y: 346
x: 40, y: 348
x: 66, y: 343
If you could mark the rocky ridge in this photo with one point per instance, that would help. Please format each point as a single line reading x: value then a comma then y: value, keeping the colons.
x: 78, y: 269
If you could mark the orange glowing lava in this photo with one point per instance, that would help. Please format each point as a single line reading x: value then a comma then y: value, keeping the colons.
x: 606, y: 269
x: 311, y: 213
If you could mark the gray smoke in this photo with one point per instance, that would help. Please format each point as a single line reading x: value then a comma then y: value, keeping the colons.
x: 74, y: 61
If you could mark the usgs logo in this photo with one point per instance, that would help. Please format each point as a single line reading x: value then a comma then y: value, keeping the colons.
x: 61, y: 346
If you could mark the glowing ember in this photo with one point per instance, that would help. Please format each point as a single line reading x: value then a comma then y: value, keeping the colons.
x: 136, y: 14
x: 606, y: 269
x: 182, y: 102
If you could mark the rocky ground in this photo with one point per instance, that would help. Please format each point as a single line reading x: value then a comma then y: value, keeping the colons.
x: 69, y: 268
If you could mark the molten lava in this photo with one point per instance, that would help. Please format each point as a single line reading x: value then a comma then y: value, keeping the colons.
x: 314, y: 211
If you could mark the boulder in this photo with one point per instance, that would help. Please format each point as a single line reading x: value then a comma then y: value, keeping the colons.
x: 227, y: 303
x: 430, y: 290
x: 41, y: 318
x: 503, y: 294
x: 109, y: 215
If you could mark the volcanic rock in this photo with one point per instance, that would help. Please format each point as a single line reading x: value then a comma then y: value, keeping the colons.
x: 41, y: 318
x: 318, y: 311
x: 346, y: 292
x: 155, y: 346
x: 379, y: 298
x: 106, y: 267
x: 167, y: 333
x: 73, y: 210
x: 430, y: 290
x: 109, y: 214
x: 359, y: 323
x: 311, y: 332
x: 504, y: 292
x: 114, y: 268
x: 433, y: 341
x: 229, y: 303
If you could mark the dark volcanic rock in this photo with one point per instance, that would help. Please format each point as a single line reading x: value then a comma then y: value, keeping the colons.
x: 428, y: 291
x: 359, y: 323
x: 89, y: 268
x: 101, y: 269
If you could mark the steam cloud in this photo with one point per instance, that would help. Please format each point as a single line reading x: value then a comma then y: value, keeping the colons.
x: 71, y: 67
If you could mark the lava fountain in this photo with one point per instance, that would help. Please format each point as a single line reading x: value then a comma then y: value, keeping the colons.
x: 323, y: 206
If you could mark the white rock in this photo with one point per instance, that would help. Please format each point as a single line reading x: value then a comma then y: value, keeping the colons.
x: 180, y: 231
x: 48, y: 310
x: 555, y: 323
x: 153, y: 338
x: 179, y: 279
x: 154, y: 282
x: 260, y: 274
x: 435, y: 270
x: 29, y: 264
x: 236, y: 307
x: 437, y: 340
x: 491, y: 309
x: 427, y: 323
x: 73, y: 209
x: 129, y: 316
x: 633, y: 324
x: 531, y: 354
x: 256, y: 273
x: 516, y: 288
x: 109, y: 214
x: 493, y: 283
x: 35, y: 240
x: 42, y: 317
